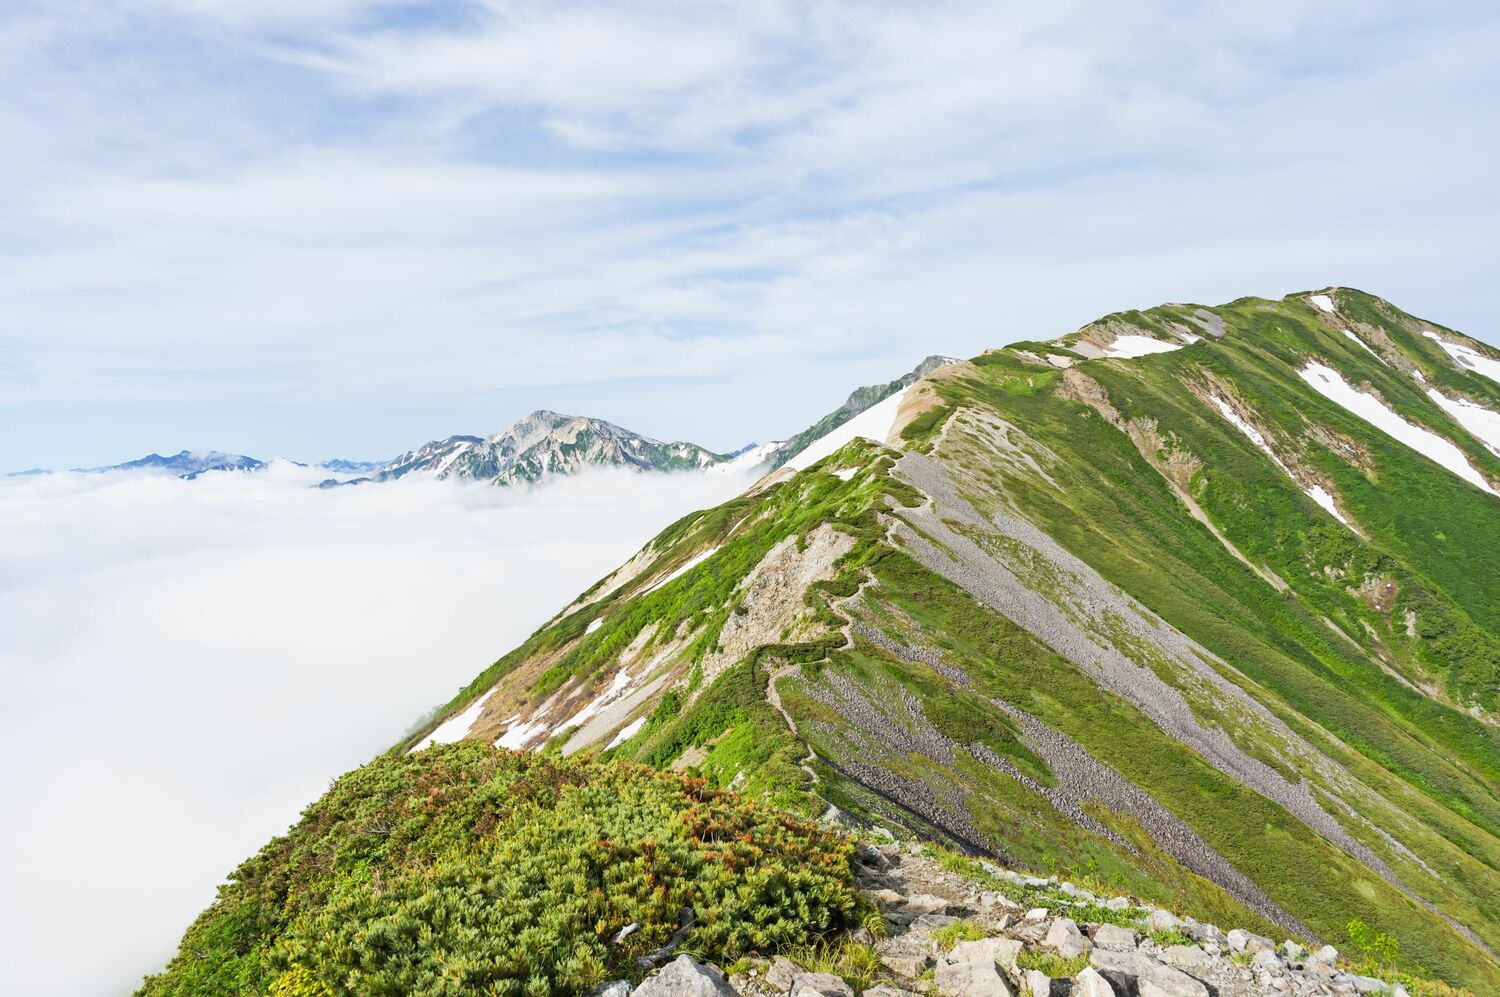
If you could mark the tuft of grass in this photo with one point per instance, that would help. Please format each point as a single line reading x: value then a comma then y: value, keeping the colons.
x: 1050, y: 963
x: 1166, y: 938
x: 855, y: 963
x: 960, y: 931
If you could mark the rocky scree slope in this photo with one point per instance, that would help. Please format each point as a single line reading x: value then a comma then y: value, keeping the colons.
x: 1172, y: 613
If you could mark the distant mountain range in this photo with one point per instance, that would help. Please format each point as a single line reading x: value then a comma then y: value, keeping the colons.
x: 544, y: 444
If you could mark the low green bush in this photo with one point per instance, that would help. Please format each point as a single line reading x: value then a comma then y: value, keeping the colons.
x: 462, y: 869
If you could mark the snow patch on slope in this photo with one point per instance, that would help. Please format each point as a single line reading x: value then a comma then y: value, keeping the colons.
x: 1482, y: 423
x: 688, y: 565
x: 875, y: 423
x: 1322, y: 302
x: 628, y: 731
x: 1317, y: 493
x: 1468, y: 358
x: 454, y: 728
x: 745, y: 462
x: 1331, y: 385
x: 1132, y: 346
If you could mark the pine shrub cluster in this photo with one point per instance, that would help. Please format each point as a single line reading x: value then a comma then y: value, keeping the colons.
x: 462, y: 869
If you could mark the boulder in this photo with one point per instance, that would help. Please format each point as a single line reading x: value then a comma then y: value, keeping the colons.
x: 1241, y: 940
x: 614, y: 988
x: 1266, y: 959
x: 1114, y: 938
x: 977, y: 978
x: 1163, y: 920
x: 1001, y: 951
x: 685, y: 977
x: 1292, y: 951
x: 1367, y: 984
x: 886, y: 990
x: 1188, y: 957
x: 1065, y: 938
x: 926, y: 903
x: 820, y: 985
x: 1134, y: 972
x: 1037, y: 914
x: 1327, y: 955
x: 1089, y: 983
x: 782, y: 974
x: 905, y: 955
x: 1206, y: 933
x: 1035, y: 983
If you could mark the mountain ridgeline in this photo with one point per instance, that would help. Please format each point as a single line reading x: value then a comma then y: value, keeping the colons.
x: 1199, y: 605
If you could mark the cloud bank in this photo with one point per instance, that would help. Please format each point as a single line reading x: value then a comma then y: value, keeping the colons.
x: 187, y: 665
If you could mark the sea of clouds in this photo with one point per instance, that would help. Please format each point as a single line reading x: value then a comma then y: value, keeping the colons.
x: 187, y: 664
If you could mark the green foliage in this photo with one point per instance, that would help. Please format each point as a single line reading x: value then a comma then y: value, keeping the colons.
x: 950, y: 935
x: 461, y: 869
x: 1050, y: 963
x: 1165, y: 938
x: 1377, y: 949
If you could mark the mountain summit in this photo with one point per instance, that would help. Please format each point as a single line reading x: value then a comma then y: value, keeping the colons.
x: 545, y: 444
x: 1193, y: 604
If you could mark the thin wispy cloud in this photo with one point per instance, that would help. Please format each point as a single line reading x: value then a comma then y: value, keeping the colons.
x: 464, y: 211
x: 187, y: 664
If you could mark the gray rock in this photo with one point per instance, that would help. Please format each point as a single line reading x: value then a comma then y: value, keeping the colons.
x: 1328, y: 955
x: 1066, y: 939
x: 1268, y: 960
x: 782, y: 974
x: 1035, y: 983
x: 1089, y: 983
x: 926, y: 903
x: 976, y: 978
x: 905, y: 955
x: 685, y: 977
x: 926, y: 924
x: 1367, y: 984
x: 1241, y: 940
x: 886, y: 990
x: 999, y: 951
x: 1163, y: 920
x: 820, y: 985
x: 1189, y: 957
x: 1292, y: 951
x: 1206, y: 933
x: 614, y: 988
x: 1133, y: 972
x: 1117, y: 903
x: 1114, y: 938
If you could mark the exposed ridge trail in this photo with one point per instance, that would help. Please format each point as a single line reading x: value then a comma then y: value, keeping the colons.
x: 992, y: 582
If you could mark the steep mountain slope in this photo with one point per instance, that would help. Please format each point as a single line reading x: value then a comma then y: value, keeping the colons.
x: 859, y: 401
x: 1200, y: 602
x: 545, y: 444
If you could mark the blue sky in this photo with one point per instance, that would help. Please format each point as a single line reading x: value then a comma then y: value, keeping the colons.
x: 332, y: 227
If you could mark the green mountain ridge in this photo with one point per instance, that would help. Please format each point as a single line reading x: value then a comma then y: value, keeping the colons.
x: 1146, y: 604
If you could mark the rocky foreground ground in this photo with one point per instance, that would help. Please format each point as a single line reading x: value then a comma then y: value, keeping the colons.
x: 947, y: 936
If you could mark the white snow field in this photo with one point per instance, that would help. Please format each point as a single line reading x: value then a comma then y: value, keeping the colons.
x: 875, y: 423
x: 1132, y: 346
x: 1482, y: 423
x: 1323, y: 302
x: 1331, y: 385
x: 1469, y: 358
x: 454, y: 728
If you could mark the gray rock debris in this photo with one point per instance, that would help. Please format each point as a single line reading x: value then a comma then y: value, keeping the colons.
x: 686, y: 977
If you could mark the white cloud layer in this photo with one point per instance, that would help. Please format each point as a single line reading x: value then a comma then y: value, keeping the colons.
x: 187, y: 664
x: 705, y: 219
